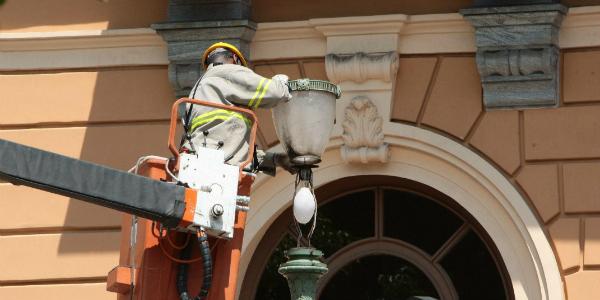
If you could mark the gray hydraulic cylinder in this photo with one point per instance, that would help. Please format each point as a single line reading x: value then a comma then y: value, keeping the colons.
x: 141, y: 196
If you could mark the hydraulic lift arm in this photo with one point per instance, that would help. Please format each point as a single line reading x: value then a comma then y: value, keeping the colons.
x: 130, y: 193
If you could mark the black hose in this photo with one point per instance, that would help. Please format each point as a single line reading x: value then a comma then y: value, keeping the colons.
x: 182, y: 273
x: 207, y: 264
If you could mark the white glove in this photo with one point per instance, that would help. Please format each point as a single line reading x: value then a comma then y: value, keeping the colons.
x: 281, y: 78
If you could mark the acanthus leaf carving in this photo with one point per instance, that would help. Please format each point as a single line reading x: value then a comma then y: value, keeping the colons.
x: 363, y: 133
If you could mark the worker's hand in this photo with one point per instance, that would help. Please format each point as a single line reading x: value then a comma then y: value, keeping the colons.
x: 281, y: 78
x: 283, y: 160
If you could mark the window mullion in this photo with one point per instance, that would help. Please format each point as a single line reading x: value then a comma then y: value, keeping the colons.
x: 378, y: 216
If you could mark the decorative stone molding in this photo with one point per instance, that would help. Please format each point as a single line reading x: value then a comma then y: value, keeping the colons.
x: 517, y: 54
x: 192, y: 26
x: 81, y: 49
x: 361, y: 67
x: 186, y: 42
x: 363, y: 133
x: 422, y: 34
x: 367, y: 81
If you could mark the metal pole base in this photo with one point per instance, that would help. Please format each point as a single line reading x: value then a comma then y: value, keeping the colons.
x: 302, y: 271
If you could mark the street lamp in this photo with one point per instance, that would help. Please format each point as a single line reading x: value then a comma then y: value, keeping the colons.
x: 303, y: 126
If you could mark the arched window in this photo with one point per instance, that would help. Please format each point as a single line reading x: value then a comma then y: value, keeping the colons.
x: 386, y: 238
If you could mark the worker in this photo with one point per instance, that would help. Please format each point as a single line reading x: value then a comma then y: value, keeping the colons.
x: 228, y: 80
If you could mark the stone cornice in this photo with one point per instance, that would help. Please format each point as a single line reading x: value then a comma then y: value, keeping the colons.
x: 359, y: 25
x: 436, y: 24
x: 84, y: 39
x: 278, y: 31
x: 81, y: 49
x: 581, y: 28
x: 418, y: 34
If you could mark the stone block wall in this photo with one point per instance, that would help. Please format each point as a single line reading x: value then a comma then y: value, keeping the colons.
x: 53, y: 247
x: 551, y: 154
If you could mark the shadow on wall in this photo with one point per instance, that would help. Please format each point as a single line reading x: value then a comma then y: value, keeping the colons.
x: 33, y: 15
x: 128, y: 118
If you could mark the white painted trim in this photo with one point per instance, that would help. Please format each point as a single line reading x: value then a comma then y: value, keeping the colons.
x: 81, y: 49
x: 81, y: 39
x: 417, y: 34
x: 581, y: 28
x: 440, y: 33
x: 452, y: 169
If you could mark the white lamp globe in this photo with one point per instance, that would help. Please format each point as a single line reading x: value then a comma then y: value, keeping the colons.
x: 304, y: 205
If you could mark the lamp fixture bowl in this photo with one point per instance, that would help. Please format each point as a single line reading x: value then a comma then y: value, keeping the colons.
x: 303, y: 124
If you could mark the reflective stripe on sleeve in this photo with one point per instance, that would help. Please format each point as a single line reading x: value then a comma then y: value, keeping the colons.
x: 257, y: 92
x: 262, y: 94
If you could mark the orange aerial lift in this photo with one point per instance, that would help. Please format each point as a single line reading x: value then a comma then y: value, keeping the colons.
x: 186, y: 214
x: 179, y: 229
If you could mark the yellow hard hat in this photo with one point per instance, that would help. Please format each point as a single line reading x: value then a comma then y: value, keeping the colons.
x: 227, y: 46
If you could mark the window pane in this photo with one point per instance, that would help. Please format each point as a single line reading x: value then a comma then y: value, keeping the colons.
x: 378, y: 277
x: 418, y: 220
x: 272, y: 285
x: 339, y: 223
x: 473, y: 271
x: 343, y: 221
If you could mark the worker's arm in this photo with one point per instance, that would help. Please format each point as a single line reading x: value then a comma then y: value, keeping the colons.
x: 252, y: 90
x: 269, y: 161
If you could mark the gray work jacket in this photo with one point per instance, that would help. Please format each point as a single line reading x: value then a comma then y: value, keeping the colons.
x: 231, y: 85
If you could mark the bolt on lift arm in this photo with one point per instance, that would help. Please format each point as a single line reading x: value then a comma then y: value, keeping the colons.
x: 141, y: 196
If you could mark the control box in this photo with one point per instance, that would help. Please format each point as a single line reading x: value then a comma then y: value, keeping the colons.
x: 217, y: 185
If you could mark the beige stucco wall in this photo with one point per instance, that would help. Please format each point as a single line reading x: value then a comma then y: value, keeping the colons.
x: 59, y: 15
x: 57, y: 248
x: 109, y: 116
x: 102, y: 115
x: 552, y: 155
x: 53, y: 247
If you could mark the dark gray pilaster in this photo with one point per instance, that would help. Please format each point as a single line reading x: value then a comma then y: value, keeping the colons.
x: 495, y: 3
x: 194, y: 25
x: 517, y: 54
x: 208, y: 10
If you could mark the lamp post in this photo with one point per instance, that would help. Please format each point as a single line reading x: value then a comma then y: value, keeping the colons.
x: 303, y: 126
x: 302, y: 271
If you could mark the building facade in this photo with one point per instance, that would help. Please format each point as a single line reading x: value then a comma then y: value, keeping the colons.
x: 466, y: 150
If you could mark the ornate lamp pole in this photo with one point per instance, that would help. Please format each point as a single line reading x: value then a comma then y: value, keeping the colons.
x: 303, y: 127
x: 302, y: 271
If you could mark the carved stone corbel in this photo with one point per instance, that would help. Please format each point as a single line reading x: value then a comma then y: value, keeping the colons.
x: 517, y: 54
x: 363, y: 133
x: 360, y: 67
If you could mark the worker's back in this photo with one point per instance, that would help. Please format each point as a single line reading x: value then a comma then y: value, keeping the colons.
x: 229, y: 84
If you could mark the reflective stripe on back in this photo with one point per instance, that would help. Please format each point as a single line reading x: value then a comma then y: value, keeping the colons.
x: 218, y: 114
